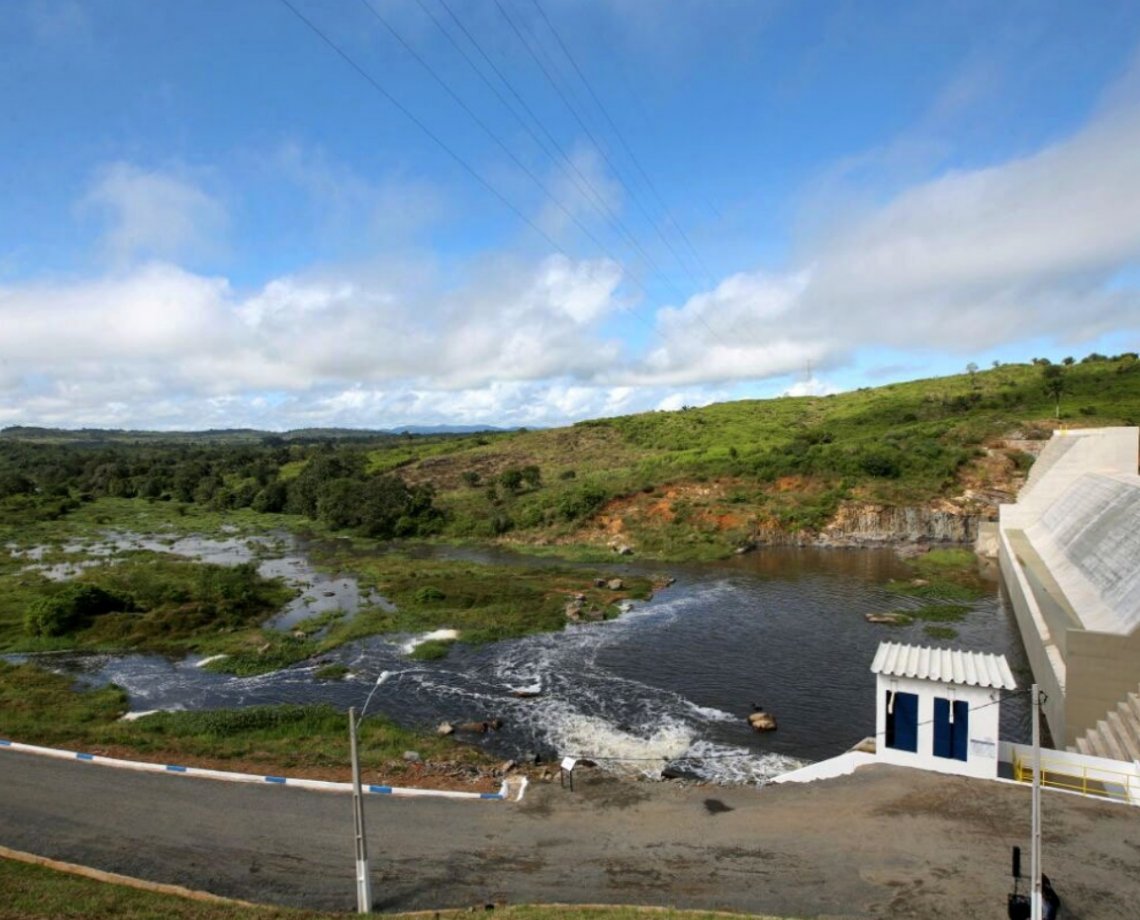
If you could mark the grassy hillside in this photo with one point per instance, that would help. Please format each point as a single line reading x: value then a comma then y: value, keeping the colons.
x: 687, y: 484
x: 695, y: 481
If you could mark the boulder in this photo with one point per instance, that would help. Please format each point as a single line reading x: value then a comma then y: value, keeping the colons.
x: 599, y: 582
x: 892, y: 619
x: 615, y: 584
x: 412, y: 757
x: 762, y: 721
x: 624, y: 550
x: 445, y: 728
x: 477, y: 727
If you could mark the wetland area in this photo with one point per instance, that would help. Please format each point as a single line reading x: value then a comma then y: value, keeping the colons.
x: 663, y: 679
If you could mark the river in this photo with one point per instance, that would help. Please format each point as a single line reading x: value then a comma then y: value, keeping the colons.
x: 669, y: 682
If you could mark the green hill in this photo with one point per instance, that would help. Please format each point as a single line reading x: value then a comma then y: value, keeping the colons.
x: 925, y: 458
x: 699, y: 481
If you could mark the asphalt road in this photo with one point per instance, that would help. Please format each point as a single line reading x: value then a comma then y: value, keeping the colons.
x: 885, y: 842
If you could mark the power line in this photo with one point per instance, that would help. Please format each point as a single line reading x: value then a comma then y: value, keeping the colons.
x: 593, y: 139
x: 621, y: 139
x: 443, y: 145
x: 574, y: 174
x: 486, y: 128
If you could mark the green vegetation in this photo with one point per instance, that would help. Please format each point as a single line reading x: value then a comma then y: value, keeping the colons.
x: 485, y: 603
x: 280, y: 738
x: 331, y: 672
x: 432, y: 649
x: 143, y: 602
x: 687, y: 484
x: 32, y: 892
x: 943, y: 574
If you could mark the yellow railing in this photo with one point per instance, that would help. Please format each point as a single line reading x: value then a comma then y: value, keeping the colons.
x: 1113, y: 784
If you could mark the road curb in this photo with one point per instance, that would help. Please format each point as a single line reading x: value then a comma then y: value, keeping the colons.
x: 319, y: 784
x: 114, y: 878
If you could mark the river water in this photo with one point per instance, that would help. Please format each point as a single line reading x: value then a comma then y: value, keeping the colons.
x: 670, y: 682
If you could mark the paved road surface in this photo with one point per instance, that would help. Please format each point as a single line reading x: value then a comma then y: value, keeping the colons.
x: 885, y: 842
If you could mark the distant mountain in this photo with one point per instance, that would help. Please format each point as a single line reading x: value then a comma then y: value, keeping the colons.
x: 232, y: 435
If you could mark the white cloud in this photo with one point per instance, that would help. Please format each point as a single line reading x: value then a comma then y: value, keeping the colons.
x: 154, y: 214
x: 971, y: 260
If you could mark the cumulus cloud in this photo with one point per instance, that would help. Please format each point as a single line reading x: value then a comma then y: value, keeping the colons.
x: 970, y: 260
x: 154, y: 214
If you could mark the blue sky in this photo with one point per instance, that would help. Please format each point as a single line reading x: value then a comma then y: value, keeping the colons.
x: 211, y: 218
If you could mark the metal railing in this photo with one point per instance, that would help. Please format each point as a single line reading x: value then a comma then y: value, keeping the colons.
x: 1113, y: 784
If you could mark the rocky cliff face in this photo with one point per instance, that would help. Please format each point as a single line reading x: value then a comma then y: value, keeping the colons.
x: 869, y: 524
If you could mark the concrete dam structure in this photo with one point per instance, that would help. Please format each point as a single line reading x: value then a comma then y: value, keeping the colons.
x: 1069, y: 550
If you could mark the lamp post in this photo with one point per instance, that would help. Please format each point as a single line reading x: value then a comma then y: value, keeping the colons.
x: 363, y: 877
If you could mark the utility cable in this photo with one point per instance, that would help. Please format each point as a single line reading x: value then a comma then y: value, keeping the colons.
x: 488, y: 131
x: 569, y: 168
x: 594, y: 140
x: 621, y: 139
x: 443, y: 145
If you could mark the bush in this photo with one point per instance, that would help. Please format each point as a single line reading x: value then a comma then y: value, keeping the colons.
x: 429, y: 593
x: 72, y: 608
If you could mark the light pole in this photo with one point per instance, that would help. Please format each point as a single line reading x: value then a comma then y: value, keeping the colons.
x: 363, y: 877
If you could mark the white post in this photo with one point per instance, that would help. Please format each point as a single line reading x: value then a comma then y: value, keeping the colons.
x: 1035, y: 843
x: 363, y: 879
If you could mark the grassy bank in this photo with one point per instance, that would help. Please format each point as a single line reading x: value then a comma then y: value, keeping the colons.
x: 33, y: 892
x: 298, y: 740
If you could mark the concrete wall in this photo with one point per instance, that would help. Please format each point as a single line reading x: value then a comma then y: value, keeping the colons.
x: 1103, y: 668
x: 1044, y: 653
x: 982, y: 750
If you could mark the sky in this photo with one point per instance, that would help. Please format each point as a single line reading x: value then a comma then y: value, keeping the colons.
x: 375, y: 213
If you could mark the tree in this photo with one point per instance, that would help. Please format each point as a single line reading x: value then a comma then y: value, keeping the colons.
x: 1053, y: 379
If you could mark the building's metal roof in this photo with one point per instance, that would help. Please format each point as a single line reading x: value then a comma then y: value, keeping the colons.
x: 947, y: 665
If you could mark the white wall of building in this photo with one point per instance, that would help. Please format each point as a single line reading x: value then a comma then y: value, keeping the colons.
x: 982, y: 747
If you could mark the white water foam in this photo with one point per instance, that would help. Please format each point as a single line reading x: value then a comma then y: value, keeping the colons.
x: 441, y: 635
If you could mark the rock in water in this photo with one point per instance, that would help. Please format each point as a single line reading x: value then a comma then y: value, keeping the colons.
x: 762, y: 721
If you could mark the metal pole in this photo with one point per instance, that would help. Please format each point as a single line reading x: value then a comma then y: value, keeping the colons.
x: 363, y: 879
x: 1035, y: 843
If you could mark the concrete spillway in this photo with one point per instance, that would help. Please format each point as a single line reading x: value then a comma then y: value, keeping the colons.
x: 1090, y: 539
x: 1070, y: 558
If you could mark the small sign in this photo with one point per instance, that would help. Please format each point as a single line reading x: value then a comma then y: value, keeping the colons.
x: 568, y: 763
x: 983, y: 747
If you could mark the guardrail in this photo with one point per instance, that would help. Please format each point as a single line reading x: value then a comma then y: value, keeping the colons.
x: 1088, y: 779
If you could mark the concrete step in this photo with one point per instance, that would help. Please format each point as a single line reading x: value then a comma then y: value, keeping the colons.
x: 1126, y: 738
x: 1133, y: 703
x: 1108, y: 737
x: 1082, y: 746
x: 1130, y: 718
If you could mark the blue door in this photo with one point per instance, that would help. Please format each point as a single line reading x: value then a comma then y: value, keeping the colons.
x: 902, y: 721
x: 950, y: 736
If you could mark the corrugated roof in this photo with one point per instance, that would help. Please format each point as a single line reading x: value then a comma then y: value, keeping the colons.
x: 948, y: 665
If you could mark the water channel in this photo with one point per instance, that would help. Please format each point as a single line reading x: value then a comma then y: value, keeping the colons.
x: 669, y: 682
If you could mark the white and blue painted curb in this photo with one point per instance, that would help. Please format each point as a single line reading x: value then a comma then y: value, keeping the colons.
x: 504, y: 793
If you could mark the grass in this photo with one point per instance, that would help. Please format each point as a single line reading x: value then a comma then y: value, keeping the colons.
x: 279, y: 738
x: 170, y: 606
x: 485, y: 603
x: 943, y: 575
x: 34, y: 892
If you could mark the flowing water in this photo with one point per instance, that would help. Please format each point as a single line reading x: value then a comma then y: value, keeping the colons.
x: 670, y: 682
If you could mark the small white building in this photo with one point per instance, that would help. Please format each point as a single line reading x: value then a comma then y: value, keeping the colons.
x: 937, y: 709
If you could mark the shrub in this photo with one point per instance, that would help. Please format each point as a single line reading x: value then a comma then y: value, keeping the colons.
x: 72, y: 608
